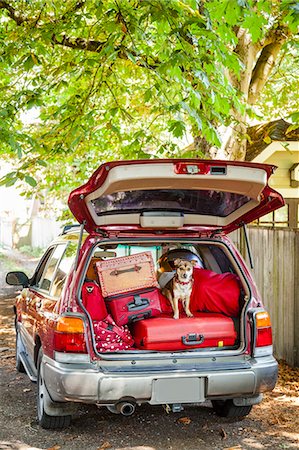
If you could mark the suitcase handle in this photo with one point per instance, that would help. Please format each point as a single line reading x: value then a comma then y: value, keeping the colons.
x: 140, y: 316
x: 193, y: 339
x: 116, y: 272
x: 138, y: 303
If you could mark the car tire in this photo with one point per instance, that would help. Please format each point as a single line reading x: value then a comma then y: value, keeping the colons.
x: 19, y: 365
x: 227, y: 408
x: 45, y: 420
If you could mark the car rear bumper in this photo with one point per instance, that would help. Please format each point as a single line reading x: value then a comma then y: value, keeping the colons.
x: 87, y: 383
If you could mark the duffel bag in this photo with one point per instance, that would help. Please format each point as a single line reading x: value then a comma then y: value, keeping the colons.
x: 110, y: 337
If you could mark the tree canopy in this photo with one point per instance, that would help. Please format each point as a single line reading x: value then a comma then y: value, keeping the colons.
x: 130, y: 78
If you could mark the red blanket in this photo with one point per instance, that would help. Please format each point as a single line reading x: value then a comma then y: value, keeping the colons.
x: 212, y: 292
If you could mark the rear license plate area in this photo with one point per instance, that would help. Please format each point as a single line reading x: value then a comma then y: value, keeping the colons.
x: 178, y: 390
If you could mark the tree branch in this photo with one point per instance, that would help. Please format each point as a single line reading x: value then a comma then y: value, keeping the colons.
x: 265, y: 64
x: 12, y: 13
x: 79, y: 43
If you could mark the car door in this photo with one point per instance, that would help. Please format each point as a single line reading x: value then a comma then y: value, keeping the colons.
x: 38, y: 295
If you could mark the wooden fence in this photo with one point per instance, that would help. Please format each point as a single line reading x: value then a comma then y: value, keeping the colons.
x: 276, y: 272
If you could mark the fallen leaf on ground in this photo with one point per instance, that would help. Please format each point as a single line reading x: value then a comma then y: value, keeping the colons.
x: 223, y: 433
x: 167, y: 408
x: 237, y: 447
x: 104, y: 446
x: 185, y: 420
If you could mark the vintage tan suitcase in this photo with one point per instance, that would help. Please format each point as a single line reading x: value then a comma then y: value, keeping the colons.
x: 126, y: 274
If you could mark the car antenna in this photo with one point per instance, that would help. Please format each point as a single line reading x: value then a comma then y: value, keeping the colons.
x: 249, y: 253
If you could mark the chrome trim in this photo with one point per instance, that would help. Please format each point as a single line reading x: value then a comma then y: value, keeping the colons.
x: 263, y: 351
x: 71, y: 358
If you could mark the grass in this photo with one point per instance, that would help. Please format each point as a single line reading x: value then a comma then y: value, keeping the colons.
x: 35, y: 252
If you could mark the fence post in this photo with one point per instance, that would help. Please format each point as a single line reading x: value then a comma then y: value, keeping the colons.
x: 296, y: 301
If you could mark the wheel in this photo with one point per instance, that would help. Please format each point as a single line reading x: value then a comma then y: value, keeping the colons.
x: 45, y: 403
x: 227, y: 408
x: 19, y: 365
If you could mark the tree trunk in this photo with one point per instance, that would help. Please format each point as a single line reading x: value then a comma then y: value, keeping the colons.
x: 235, y: 147
x: 258, y: 61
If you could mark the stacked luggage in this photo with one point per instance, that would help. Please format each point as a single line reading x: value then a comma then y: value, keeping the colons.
x: 130, y: 287
x: 127, y: 303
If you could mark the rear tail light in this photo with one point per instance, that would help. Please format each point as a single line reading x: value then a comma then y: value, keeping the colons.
x: 263, y: 333
x: 69, y: 335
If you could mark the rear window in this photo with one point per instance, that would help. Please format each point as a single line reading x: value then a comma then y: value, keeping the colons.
x: 203, y: 202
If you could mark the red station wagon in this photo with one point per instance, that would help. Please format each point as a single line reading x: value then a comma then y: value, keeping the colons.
x: 92, y: 324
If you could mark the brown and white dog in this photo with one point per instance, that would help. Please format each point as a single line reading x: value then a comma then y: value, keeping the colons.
x: 180, y: 287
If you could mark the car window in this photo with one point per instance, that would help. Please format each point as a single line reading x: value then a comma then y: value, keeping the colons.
x: 46, y: 279
x: 223, y: 261
x: 41, y: 267
x: 63, y: 269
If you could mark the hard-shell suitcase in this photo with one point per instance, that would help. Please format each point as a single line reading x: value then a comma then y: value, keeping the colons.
x: 126, y: 274
x: 133, y: 306
x: 167, y: 334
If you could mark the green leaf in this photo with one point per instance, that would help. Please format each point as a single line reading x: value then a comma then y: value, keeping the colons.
x: 292, y: 127
x: 30, y: 180
x: 177, y: 128
x: 131, y: 57
x: 41, y: 162
x: 267, y: 140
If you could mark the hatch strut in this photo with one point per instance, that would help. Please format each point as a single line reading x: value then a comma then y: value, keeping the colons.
x: 82, y: 225
x: 249, y: 253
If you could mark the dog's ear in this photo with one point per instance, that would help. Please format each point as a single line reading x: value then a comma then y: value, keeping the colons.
x: 176, y: 262
x: 193, y: 262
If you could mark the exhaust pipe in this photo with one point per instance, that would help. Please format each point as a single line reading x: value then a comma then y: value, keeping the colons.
x: 126, y: 408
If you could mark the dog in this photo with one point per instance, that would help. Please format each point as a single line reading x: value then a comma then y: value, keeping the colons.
x: 179, y: 288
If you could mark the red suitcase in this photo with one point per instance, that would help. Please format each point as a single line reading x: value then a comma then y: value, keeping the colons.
x: 168, y: 334
x: 132, y: 306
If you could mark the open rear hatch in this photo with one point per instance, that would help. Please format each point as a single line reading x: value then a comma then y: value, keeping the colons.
x: 177, y: 194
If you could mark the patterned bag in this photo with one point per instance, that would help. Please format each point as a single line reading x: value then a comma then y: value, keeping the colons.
x: 111, y: 337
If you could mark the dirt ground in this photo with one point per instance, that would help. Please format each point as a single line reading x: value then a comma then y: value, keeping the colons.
x: 274, y: 424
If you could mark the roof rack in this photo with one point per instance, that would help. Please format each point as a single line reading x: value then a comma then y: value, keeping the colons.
x: 68, y: 228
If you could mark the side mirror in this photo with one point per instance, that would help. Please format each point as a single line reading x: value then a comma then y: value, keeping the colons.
x: 17, y: 279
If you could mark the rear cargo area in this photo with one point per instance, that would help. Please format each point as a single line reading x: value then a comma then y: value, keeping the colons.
x: 128, y: 290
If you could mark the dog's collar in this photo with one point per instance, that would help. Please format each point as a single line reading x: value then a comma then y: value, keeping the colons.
x: 184, y: 283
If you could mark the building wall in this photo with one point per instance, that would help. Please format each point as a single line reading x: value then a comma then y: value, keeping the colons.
x: 284, y: 156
